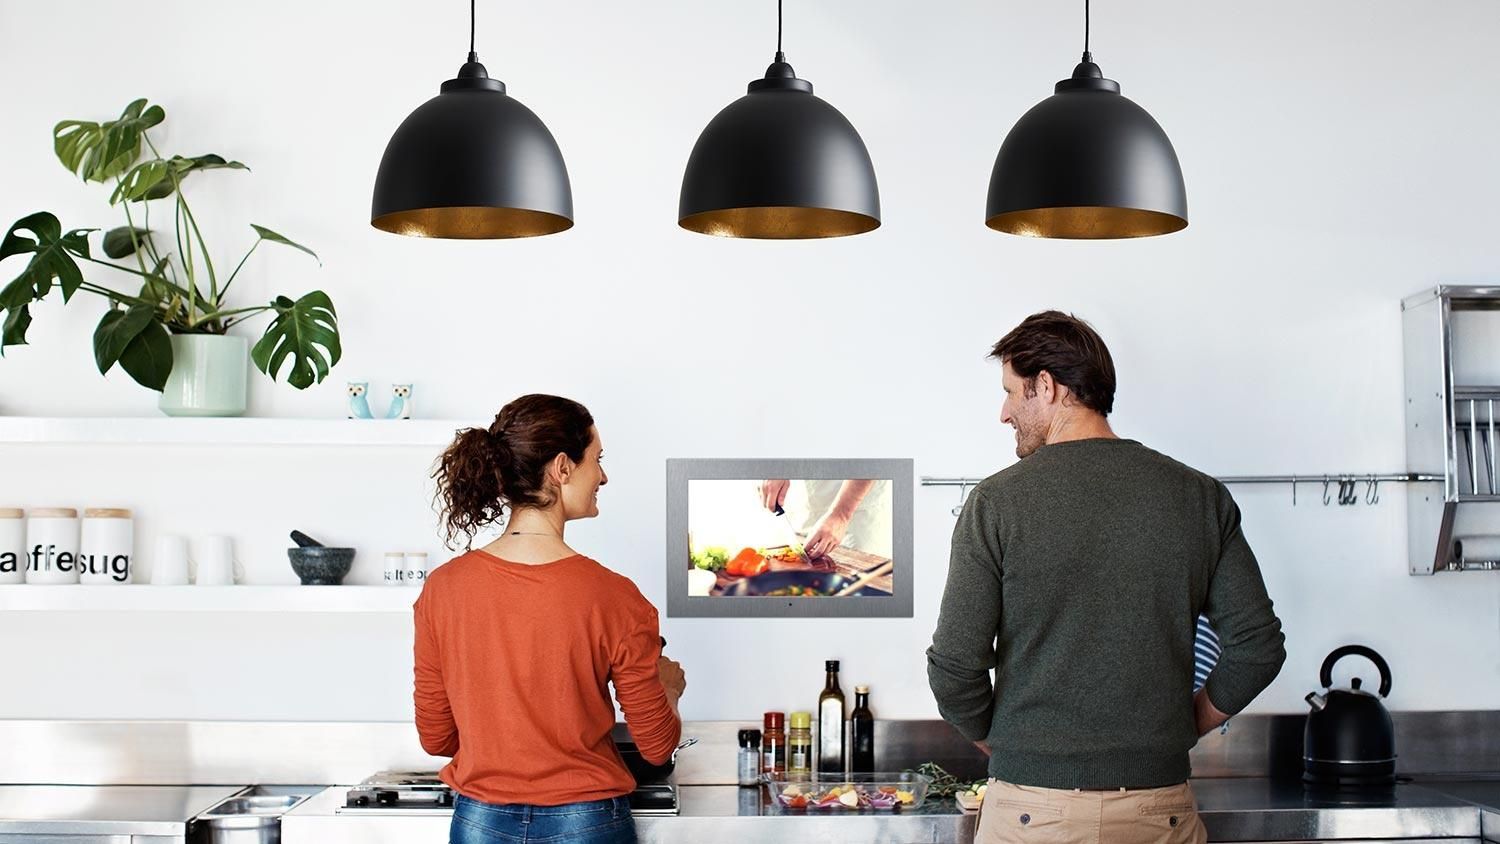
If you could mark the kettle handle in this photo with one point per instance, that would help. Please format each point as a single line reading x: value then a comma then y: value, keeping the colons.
x: 1326, y: 674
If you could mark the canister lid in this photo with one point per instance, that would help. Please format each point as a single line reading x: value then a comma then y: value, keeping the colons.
x: 801, y: 720
x: 106, y: 513
x: 53, y: 513
x: 11, y: 512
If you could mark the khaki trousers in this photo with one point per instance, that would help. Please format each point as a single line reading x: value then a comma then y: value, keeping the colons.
x: 1018, y: 814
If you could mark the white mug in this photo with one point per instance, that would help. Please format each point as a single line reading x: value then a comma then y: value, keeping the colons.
x: 171, y: 567
x: 216, y: 563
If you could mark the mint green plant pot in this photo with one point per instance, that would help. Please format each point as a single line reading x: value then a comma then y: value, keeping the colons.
x: 208, y: 377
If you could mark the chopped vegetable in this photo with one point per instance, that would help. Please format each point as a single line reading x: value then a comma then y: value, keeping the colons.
x: 945, y: 784
x: 797, y: 592
x: 747, y: 562
x: 712, y: 558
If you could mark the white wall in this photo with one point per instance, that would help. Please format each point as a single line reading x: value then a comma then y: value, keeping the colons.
x: 1338, y: 156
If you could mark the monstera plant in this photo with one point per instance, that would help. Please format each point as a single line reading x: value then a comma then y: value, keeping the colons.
x: 176, y: 289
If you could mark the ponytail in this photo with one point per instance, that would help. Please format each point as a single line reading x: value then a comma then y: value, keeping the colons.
x: 484, y: 471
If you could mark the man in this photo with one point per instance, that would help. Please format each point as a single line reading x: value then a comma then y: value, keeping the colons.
x: 1078, y: 574
x: 856, y: 513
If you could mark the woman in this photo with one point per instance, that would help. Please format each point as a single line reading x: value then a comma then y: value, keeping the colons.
x: 517, y: 642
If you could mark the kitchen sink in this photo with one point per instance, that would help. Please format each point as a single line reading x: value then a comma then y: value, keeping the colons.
x: 251, y: 817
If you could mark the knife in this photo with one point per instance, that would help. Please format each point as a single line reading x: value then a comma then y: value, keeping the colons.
x: 792, y: 531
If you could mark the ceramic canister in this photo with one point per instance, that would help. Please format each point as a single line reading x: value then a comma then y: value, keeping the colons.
x: 416, y: 568
x: 52, y: 545
x: 106, y: 546
x: 395, y: 568
x: 12, y: 545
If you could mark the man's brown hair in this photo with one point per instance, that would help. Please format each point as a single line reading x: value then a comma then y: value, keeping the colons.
x: 1066, y: 347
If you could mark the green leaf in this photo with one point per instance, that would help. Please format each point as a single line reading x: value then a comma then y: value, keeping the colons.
x: 119, y: 243
x: 267, y: 234
x: 19, y: 292
x: 98, y: 152
x: 148, y: 358
x: 147, y: 180
x: 307, y: 331
x: 13, y: 332
x: 50, y: 255
x: 115, y: 332
x: 183, y: 166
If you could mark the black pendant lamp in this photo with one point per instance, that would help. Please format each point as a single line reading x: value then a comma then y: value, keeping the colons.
x: 472, y: 163
x: 779, y: 163
x: 1087, y: 163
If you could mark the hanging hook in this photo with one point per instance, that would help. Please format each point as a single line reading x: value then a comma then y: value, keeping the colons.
x: 1325, y: 490
x: 1351, y: 496
x: 1294, y: 490
x: 963, y: 490
x: 1372, y: 492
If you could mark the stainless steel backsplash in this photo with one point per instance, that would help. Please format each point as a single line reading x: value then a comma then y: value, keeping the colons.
x: 239, y: 752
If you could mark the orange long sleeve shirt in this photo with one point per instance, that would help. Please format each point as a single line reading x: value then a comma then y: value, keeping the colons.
x: 513, y: 665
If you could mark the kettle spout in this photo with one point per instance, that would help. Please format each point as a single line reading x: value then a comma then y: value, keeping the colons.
x: 1316, y: 701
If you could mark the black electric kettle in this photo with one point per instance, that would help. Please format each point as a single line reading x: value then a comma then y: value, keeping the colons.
x: 1350, y: 741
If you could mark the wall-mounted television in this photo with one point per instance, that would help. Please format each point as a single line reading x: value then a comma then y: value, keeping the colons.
x: 789, y: 537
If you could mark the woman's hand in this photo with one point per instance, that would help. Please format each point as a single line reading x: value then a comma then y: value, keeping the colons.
x: 672, y: 678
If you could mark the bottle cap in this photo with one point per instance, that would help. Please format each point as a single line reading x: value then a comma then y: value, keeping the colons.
x: 750, y: 738
x: 774, y: 720
x: 831, y: 665
x: 801, y: 720
x: 861, y: 690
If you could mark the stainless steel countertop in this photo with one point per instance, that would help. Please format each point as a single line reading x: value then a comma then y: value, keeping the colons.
x: 1234, y: 810
x: 1269, y: 810
x: 162, y: 810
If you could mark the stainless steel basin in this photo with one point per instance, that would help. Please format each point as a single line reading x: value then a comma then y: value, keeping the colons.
x: 254, y: 805
x: 251, y: 817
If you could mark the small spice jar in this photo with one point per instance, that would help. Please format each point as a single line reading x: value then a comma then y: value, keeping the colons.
x: 773, y: 746
x: 749, y: 758
x: 106, y: 546
x: 52, y: 540
x: 12, y: 545
x: 799, y: 746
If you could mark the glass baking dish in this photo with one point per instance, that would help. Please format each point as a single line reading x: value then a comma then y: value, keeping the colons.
x: 854, y: 792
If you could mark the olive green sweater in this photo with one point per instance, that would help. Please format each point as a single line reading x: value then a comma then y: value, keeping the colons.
x: 1078, y: 575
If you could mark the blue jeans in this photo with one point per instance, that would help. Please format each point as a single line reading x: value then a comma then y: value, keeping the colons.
x: 593, y: 822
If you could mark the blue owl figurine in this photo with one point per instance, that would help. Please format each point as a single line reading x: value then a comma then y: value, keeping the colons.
x: 400, y: 402
x: 359, y: 403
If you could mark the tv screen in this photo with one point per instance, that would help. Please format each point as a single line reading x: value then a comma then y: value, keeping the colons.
x: 751, y: 537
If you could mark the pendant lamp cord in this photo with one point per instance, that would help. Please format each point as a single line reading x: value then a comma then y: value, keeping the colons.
x: 780, y: 56
x: 1087, y: 56
x: 473, y: 57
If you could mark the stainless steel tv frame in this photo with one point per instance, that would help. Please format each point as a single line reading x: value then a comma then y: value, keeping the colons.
x: 682, y: 470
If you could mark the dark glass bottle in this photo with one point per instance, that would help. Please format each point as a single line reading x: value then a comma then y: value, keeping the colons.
x: 831, y: 723
x: 862, y: 726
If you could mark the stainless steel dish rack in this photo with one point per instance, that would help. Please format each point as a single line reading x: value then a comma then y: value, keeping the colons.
x: 1451, y: 338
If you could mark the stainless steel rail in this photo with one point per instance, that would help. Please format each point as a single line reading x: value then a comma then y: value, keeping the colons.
x: 1346, y: 481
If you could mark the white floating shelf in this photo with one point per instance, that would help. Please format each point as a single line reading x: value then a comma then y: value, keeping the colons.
x: 218, y: 599
x: 234, y: 431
